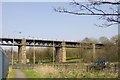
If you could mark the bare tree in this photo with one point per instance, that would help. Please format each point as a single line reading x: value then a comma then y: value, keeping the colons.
x: 104, y: 40
x: 108, y: 11
x: 114, y: 39
x: 90, y: 40
x: 87, y: 40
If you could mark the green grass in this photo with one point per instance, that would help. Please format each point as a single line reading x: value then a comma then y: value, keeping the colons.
x: 30, y: 73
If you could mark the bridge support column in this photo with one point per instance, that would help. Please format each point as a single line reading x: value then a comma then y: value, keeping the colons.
x: 22, y: 52
x: 94, y: 53
x: 61, y: 53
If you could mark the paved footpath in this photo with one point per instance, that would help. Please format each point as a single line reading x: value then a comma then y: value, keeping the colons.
x: 20, y: 74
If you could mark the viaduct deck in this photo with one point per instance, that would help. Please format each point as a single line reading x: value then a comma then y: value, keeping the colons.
x: 46, y: 43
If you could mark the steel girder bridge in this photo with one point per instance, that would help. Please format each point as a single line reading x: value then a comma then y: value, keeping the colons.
x: 59, y: 47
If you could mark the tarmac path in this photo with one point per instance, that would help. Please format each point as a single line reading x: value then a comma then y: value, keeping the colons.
x: 20, y: 74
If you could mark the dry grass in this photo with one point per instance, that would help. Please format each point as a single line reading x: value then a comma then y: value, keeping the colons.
x: 47, y: 71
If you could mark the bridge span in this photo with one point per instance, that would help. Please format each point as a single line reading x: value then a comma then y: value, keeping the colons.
x: 59, y: 47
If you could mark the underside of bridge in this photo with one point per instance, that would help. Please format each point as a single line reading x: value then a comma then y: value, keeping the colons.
x: 60, y: 52
x: 59, y: 46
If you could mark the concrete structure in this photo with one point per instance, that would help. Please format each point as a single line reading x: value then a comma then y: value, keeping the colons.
x: 59, y: 46
x: 22, y: 52
x: 61, y: 53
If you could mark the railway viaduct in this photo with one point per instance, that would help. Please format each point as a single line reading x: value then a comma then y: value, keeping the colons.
x: 59, y: 47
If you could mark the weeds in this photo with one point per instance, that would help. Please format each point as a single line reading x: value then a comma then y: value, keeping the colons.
x: 69, y: 72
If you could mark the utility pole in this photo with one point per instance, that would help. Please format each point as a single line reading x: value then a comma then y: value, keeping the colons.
x: 53, y: 51
x: 12, y: 52
x: 34, y: 50
x: 13, y: 48
x: 94, y: 52
x: 80, y: 50
x: 19, y: 54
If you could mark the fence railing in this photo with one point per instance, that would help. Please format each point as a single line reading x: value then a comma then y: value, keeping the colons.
x: 23, y: 66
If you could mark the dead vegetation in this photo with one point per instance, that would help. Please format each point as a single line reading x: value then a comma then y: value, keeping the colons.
x: 71, y: 71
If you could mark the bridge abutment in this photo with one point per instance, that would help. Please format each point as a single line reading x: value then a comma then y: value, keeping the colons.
x: 61, y: 53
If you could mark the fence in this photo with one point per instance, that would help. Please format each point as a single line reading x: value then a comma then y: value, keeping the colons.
x: 23, y: 66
